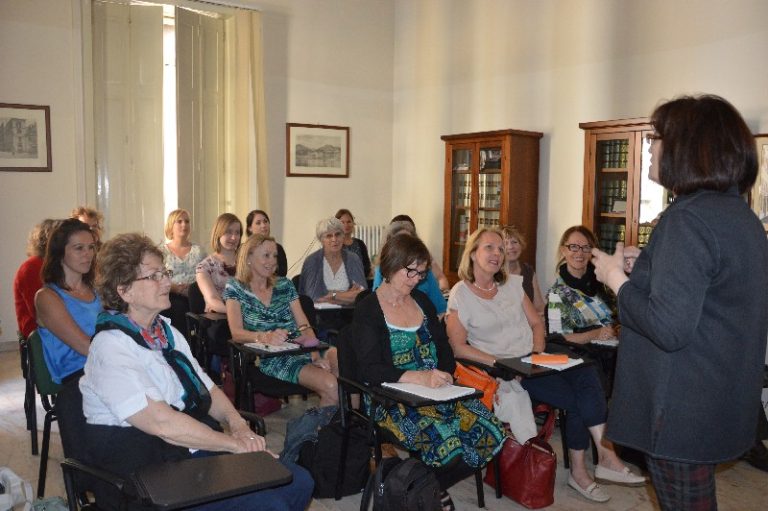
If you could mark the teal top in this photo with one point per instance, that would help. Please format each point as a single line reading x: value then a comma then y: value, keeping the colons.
x: 60, y: 358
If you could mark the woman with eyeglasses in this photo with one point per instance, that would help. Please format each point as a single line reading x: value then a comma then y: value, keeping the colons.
x: 514, y: 244
x: 67, y: 304
x: 489, y: 317
x: 398, y: 338
x: 145, y: 398
x: 427, y: 285
x: 694, y: 310
x: 331, y: 274
x: 585, y: 305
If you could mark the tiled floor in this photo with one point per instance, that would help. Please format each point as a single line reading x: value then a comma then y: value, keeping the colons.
x: 740, y: 487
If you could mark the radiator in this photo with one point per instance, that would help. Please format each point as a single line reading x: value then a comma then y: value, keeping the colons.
x: 372, y: 236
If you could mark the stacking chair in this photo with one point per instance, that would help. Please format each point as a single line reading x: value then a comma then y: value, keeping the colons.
x: 30, y: 401
x: 38, y: 373
x: 350, y: 384
x: 200, y: 326
x: 167, y: 486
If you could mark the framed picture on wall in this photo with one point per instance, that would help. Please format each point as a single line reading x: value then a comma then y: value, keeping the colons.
x: 315, y: 150
x: 25, y: 138
x: 759, y: 195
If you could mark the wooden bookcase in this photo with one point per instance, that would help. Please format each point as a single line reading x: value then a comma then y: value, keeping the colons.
x: 491, y: 179
x: 620, y: 202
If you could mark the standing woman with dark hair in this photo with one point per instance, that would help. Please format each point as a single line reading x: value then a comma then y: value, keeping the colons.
x: 67, y: 305
x: 354, y: 245
x: 694, y: 310
x: 214, y: 271
x: 258, y: 222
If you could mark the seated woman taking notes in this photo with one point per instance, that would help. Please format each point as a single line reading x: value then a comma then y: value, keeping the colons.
x: 489, y: 317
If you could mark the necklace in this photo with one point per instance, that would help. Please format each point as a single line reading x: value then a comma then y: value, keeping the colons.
x: 392, y: 302
x: 493, y: 286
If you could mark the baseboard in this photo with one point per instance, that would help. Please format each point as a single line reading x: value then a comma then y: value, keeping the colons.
x: 9, y: 345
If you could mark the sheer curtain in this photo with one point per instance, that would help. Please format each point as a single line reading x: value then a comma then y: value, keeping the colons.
x: 220, y: 119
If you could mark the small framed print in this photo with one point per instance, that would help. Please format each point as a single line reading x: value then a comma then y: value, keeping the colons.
x: 25, y: 138
x: 759, y: 195
x: 314, y: 150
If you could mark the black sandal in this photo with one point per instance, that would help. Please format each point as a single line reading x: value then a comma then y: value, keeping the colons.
x: 446, y: 502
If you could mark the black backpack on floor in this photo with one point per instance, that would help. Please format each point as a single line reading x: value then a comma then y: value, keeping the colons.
x: 321, y: 459
x: 402, y: 485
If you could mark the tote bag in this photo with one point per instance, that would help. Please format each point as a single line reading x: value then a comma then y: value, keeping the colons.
x: 527, y: 471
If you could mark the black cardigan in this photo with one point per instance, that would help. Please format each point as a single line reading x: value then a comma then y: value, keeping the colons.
x: 373, y: 351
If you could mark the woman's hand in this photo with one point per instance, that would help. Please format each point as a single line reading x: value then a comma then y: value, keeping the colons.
x: 322, y: 363
x: 631, y: 253
x: 609, y: 269
x: 276, y: 336
x: 435, y: 378
x: 605, y: 333
x: 248, y: 441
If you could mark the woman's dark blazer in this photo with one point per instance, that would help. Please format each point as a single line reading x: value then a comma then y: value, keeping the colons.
x: 373, y: 351
x: 694, y: 318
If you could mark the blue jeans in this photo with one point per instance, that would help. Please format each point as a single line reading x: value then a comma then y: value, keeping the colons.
x: 294, y: 496
x: 577, y: 391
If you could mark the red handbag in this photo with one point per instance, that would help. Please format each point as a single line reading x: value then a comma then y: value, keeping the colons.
x: 527, y: 471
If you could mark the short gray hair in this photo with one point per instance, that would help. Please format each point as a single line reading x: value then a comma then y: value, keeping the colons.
x: 327, y: 225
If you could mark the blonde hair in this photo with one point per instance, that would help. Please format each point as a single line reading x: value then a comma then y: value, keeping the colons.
x: 243, y: 271
x: 172, y: 217
x: 223, y: 222
x: 37, y: 242
x: 467, y: 265
x: 87, y: 212
x: 510, y: 231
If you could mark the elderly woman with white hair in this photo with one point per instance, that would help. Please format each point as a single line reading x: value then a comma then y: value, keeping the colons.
x: 331, y: 274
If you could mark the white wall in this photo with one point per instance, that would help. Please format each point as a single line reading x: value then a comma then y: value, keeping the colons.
x: 400, y: 74
x: 475, y: 65
x: 328, y: 62
x: 38, y: 68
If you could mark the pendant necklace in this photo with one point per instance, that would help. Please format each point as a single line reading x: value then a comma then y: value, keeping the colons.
x: 493, y: 286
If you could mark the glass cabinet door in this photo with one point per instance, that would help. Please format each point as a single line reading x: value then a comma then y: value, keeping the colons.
x: 489, y: 186
x: 461, y: 203
x: 612, y: 197
x: 654, y: 198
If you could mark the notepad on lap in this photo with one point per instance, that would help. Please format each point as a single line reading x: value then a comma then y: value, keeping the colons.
x: 326, y: 305
x: 272, y: 347
x: 444, y: 393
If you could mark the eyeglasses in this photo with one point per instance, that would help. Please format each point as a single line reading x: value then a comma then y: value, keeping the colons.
x: 650, y: 137
x: 157, y: 276
x: 412, y: 272
x: 573, y: 247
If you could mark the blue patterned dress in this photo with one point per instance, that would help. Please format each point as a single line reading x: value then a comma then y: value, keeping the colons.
x: 260, y: 317
x: 442, y: 432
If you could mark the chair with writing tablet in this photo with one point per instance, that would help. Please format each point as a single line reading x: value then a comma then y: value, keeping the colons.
x: 350, y: 384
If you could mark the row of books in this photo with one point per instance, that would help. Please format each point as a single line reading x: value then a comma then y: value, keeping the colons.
x: 613, y: 153
x: 644, y: 234
x: 613, y: 196
x: 609, y: 234
x: 489, y: 190
x: 484, y: 219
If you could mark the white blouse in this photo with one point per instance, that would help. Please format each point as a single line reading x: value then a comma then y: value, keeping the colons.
x: 497, y: 326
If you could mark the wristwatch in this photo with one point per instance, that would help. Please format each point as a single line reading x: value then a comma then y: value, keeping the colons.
x: 333, y: 295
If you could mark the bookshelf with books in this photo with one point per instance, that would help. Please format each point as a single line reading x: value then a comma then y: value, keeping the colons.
x: 491, y: 180
x: 620, y: 202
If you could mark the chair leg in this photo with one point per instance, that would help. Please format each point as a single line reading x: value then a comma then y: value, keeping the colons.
x: 49, y: 418
x: 30, y: 409
x: 480, y: 489
x: 564, y: 440
x: 497, y: 475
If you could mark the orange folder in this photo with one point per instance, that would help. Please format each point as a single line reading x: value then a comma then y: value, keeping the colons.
x: 543, y: 358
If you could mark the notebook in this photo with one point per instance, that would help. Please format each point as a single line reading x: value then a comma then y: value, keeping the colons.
x: 445, y: 393
x: 275, y: 348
